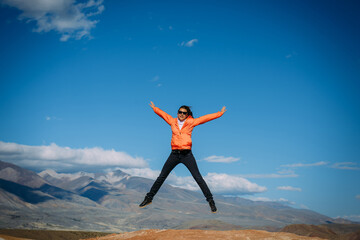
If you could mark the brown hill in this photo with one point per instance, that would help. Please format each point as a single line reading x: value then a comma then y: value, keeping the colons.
x: 25, y: 234
x: 328, y: 231
x: 204, y: 234
x: 5, y: 237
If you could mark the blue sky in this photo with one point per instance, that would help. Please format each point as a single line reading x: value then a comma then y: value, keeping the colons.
x: 77, y: 78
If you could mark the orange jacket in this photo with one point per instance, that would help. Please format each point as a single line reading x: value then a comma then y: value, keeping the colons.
x: 181, y: 139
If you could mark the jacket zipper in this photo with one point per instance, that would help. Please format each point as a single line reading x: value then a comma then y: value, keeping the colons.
x: 177, y: 124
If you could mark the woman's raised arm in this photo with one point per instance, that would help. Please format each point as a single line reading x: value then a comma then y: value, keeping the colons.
x: 209, y: 117
x: 161, y: 113
x: 152, y: 105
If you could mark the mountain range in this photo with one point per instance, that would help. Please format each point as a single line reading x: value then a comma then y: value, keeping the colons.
x: 108, y: 202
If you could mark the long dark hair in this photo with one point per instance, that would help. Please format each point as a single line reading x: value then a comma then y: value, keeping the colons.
x: 187, y: 109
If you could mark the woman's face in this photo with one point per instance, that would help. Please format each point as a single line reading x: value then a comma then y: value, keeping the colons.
x: 182, y: 114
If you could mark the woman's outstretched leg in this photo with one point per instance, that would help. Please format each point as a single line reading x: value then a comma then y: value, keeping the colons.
x: 169, y: 165
x: 190, y: 162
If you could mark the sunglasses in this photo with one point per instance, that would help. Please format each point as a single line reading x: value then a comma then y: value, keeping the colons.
x: 181, y: 112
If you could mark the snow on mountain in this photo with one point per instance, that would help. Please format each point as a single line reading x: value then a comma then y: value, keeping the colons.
x: 65, y: 176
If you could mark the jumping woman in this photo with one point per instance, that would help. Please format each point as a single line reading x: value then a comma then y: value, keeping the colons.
x: 181, y: 143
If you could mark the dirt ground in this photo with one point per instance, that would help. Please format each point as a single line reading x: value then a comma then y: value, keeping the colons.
x: 17, y: 234
x: 5, y: 237
x: 204, y: 235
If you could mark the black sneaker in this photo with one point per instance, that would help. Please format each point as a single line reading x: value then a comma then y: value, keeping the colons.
x: 146, y: 202
x: 212, y: 206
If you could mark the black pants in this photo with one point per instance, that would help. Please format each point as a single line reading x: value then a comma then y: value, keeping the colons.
x: 186, y: 157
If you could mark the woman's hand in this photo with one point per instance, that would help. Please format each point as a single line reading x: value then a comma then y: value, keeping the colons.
x: 223, y: 109
x: 152, y: 105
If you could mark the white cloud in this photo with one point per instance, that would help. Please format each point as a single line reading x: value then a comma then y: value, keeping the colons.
x: 218, y: 183
x: 64, y: 159
x: 289, y: 188
x: 67, y: 17
x: 142, y: 172
x: 224, y: 183
x: 354, y: 218
x: 290, y: 55
x: 155, y: 79
x: 182, y: 182
x: 346, y: 166
x: 279, y: 174
x: 285, y: 201
x: 265, y: 199
x: 305, y: 164
x: 270, y: 175
x: 70, y: 176
x: 48, y: 118
x: 260, y: 199
x: 357, y: 196
x: 221, y: 159
x: 54, y: 156
x: 189, y: 43
x: 161, y: 28
x: 65, y: 37
x: 304, y: 206
x: 286, y: 171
